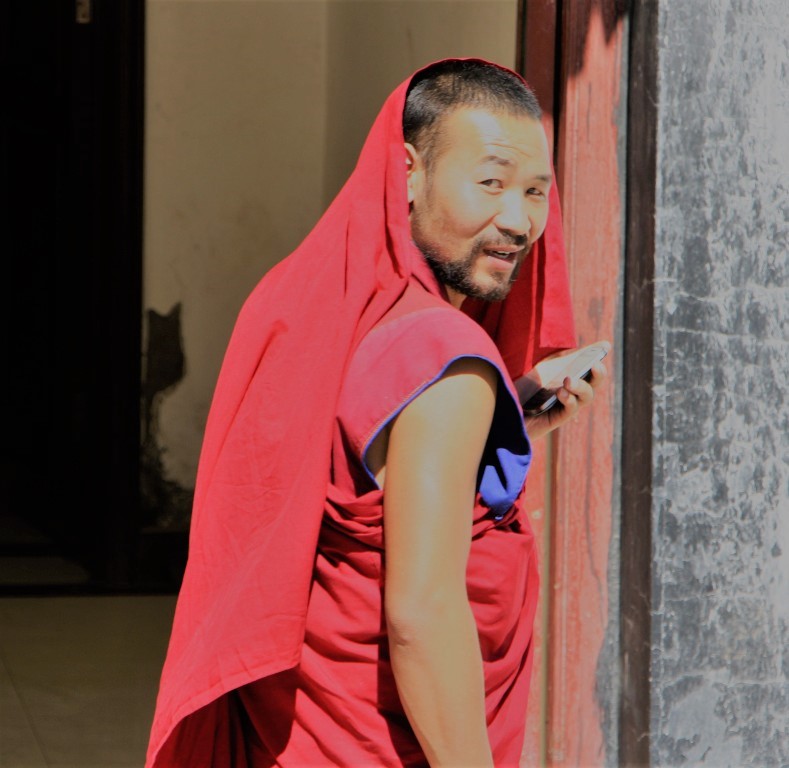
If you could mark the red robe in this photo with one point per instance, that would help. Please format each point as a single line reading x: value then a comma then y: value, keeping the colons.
x: 264, y: 475
x: 340, y: 705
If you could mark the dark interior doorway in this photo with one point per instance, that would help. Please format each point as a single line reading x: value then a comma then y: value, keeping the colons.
x: 72, y: 161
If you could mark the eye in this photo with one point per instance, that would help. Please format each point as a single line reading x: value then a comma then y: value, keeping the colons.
x: 535, y: 192
x: 493, y: 183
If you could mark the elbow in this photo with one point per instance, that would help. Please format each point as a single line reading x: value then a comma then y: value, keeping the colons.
x: 411, y: 619
x: 404, y: 626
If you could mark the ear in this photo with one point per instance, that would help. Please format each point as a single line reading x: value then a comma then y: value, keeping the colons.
x: 414, y: 170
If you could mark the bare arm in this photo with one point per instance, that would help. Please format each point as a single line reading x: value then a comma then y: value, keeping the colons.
x: 432, y: 461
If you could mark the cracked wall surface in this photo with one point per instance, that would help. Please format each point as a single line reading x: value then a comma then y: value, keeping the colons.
x: 720, y: 627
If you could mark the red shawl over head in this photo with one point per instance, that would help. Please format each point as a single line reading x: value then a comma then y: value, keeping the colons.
x: 264, y: 464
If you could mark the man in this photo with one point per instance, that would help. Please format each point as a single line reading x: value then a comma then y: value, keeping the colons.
x: 362, y: 583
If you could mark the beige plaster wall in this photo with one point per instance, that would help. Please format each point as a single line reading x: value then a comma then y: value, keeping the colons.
x: 255, y: 113
x: 373, y: 45
x: 233, y: 174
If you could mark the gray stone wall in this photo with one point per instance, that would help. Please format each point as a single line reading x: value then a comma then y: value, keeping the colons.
x: 720, y: 659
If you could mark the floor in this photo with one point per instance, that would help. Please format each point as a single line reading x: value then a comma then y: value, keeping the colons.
x: 29, y: 558
x: 78, y: 679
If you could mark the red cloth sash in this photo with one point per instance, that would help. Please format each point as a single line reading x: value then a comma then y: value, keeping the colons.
x: 264, y: 464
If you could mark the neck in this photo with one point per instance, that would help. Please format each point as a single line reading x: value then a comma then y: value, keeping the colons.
x: 455, y: 297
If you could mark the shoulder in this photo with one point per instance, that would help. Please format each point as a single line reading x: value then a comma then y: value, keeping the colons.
x: 424, y: 327
x: 466, y: 387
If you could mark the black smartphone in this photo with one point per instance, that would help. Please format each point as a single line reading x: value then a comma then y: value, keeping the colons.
x: 579, y: 366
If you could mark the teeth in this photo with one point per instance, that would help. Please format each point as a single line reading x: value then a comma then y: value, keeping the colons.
x: 503, y: 255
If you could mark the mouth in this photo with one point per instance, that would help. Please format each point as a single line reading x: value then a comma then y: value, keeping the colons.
x: 508, y: 254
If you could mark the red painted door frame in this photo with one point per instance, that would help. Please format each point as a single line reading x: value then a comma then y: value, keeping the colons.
x: 573, y: 56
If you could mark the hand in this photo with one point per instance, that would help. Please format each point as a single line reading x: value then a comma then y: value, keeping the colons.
x: 573, y: 395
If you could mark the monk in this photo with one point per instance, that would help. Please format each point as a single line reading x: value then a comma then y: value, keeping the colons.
x: 362, y: 579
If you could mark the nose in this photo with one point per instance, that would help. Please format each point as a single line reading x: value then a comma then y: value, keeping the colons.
x: 513, y: 214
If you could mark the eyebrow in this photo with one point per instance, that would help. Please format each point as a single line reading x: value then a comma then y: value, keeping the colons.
x: 503, y: 161
x: 496, y: 160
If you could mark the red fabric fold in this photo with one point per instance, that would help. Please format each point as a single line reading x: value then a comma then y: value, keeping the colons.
x: 264, y: 464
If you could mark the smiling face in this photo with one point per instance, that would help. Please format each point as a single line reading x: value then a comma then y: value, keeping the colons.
x: 480, y: 204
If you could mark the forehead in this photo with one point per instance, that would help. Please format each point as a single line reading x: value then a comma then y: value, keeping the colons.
x: 474, y: 135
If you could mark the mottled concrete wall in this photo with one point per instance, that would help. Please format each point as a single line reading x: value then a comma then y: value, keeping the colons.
x: 720, y: 694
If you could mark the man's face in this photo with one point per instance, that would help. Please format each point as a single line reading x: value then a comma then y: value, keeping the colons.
x: 483, y: 202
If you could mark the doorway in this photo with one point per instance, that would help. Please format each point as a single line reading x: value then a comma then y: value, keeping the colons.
x: 72, y: 152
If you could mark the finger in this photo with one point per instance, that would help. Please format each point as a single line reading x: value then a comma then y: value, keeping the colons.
x: 568, y: 399
x: 599, y: 374
x: 582, y: 390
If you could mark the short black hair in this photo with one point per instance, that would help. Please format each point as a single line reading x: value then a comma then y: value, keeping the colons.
x: 439, y: 89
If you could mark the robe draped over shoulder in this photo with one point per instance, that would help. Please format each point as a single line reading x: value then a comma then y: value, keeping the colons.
x: 340, y: 706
